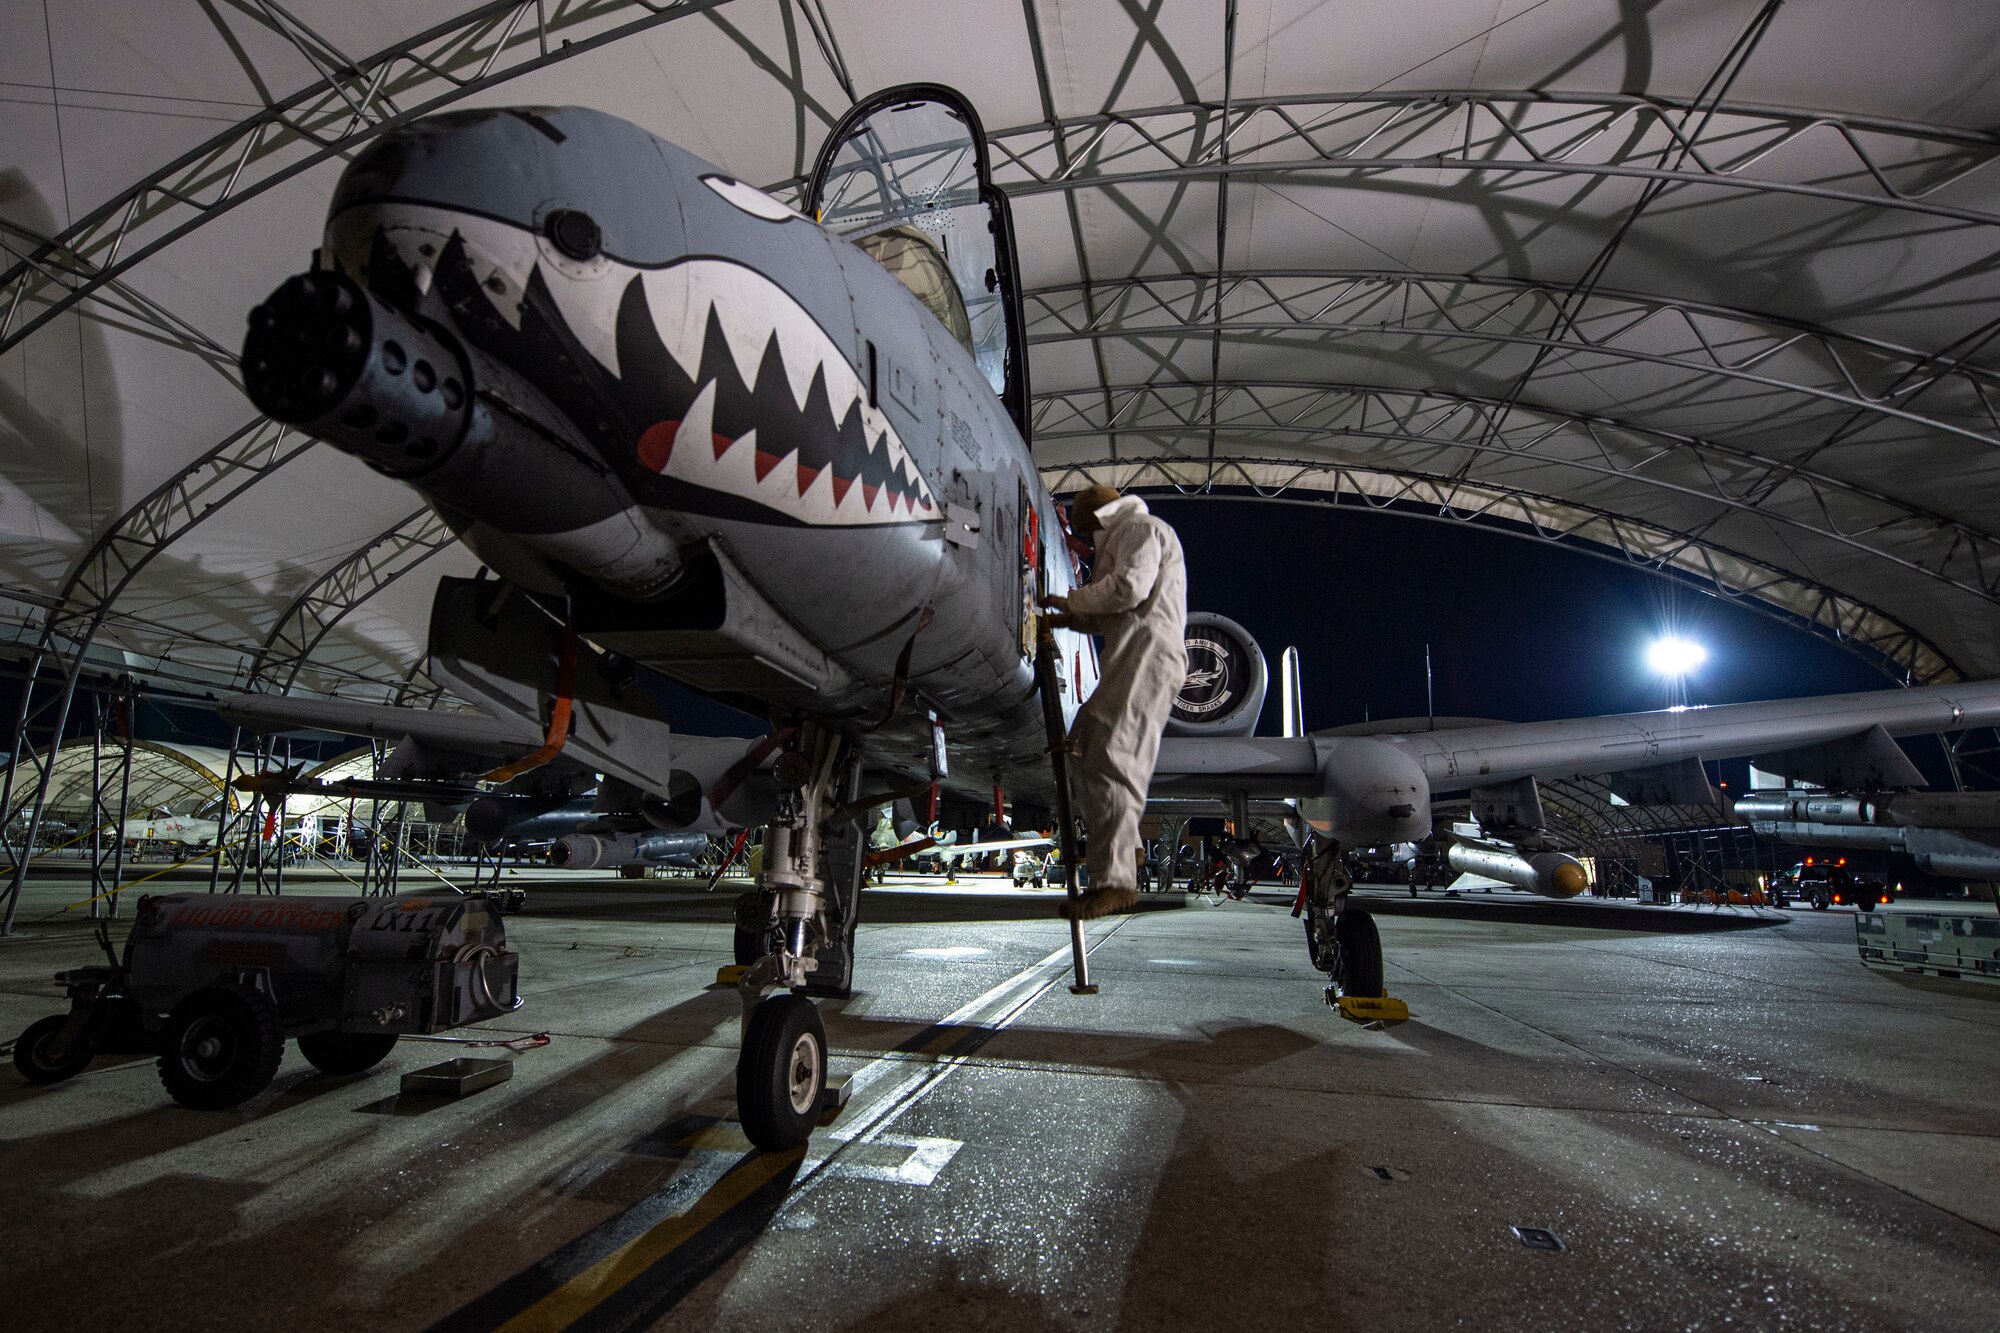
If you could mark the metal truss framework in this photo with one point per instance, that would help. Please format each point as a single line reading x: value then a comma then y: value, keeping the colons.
x: 335, y: 595
x: 1855, y: 162
x: 349, y: 102
x: 84, y: 604
x: 298, y: 633
x: 1582, y: 807
x: 1445, y: 433
x: 1708, y: 343
x: 1887, y: 164
x: 1892, y: 164
x: 1885, y: 642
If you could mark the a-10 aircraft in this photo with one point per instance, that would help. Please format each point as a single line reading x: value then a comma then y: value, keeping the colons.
x: 777, y: 456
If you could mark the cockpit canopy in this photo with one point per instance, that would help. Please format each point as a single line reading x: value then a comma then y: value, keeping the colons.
x: 904, y: 177
x: 920, y: 265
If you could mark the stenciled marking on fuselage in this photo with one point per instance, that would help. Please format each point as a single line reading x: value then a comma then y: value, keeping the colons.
x: 750, y: 397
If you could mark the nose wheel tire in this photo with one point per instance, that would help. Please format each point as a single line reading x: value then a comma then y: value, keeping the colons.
x: 221, y: 1048
x: 34, y: 1053
x: 781, y: 1073
x: 1359, y: 972
x: 345, y: 1052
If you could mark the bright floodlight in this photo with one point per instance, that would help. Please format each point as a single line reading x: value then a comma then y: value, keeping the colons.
x: 1675, y: 656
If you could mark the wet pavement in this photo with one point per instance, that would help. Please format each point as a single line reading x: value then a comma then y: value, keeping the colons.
x: 1723, y: 1123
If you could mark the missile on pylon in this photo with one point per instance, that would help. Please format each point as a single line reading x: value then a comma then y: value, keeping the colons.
x: 1550, y: 874
x: 1972, y: 810
x: 591, y: 851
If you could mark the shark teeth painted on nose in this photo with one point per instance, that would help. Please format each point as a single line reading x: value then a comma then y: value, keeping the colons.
x: 708, y: 372
x: 785, y: 415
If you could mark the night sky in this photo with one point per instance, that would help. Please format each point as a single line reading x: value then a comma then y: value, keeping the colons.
x: 1519, y: 630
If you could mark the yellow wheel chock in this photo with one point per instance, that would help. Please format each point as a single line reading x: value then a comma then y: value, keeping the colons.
x: 1373, y: 1009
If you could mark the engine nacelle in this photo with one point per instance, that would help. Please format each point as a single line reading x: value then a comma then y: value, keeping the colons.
x: 1374, y: 793
x: 1226, y: 680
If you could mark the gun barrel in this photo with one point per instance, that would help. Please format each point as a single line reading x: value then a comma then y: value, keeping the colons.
x: 408, y: 398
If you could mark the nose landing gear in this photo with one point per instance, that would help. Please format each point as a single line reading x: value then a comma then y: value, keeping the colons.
x: 1343, y: 943
x: 794, y: 938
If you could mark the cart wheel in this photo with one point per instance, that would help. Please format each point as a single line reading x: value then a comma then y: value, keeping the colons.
x: 1360, y: 971
x: 781, y: 1072
x: 221, y: 1048
x: 32, y: 1052
x: 345, y: 1052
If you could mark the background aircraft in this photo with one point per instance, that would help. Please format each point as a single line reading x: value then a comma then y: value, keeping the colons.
x: 164, y: 826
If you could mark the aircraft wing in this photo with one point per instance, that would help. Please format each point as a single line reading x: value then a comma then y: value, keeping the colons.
x: 1479, y: 756
x: 1579, y: 747
x: 470, y: 733
x: 983, y: 848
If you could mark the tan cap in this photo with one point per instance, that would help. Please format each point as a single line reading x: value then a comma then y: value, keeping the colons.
x: 1083, y: 509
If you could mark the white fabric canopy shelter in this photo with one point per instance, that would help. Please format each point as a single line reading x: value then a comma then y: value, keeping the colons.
x: 1710, y: 285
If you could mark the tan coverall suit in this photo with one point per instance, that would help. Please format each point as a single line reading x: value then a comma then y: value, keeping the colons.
x: 1137, y: 600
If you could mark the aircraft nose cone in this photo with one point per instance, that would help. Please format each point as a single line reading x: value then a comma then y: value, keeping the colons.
x: 587, y: 182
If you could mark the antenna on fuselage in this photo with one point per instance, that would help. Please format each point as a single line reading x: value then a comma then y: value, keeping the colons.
x: 1430, y: 695
x: 1291, y: 698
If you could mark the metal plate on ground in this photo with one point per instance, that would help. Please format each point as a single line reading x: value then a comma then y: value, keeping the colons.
x: 457, y: 1078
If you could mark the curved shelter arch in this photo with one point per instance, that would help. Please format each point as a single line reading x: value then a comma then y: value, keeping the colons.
x: 166, y: 776
x: 1745, y: 339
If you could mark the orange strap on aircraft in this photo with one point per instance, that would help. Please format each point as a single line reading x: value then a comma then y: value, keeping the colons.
x: 735, y: 850
x: 558, y: 735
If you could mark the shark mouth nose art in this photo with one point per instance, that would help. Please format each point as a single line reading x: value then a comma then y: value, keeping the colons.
x: 727, y: 394
x: 777, y: 415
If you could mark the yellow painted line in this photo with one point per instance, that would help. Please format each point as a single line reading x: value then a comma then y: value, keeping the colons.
x: 576, y: 1298
x: 604, y: 1279
x: 117, y: 889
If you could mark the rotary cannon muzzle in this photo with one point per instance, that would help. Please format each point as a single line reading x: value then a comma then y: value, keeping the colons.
x: 392, y: 390
x: 407, y: 397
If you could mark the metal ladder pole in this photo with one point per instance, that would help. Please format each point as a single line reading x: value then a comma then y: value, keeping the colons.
x: 1052, y: 721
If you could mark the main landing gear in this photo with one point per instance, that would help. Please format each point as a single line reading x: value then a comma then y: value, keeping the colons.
x: 794, y: 939
x: 1341, y: 940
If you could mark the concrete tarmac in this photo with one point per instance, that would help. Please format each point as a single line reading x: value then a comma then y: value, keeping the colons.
x: 1724, y: 1124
